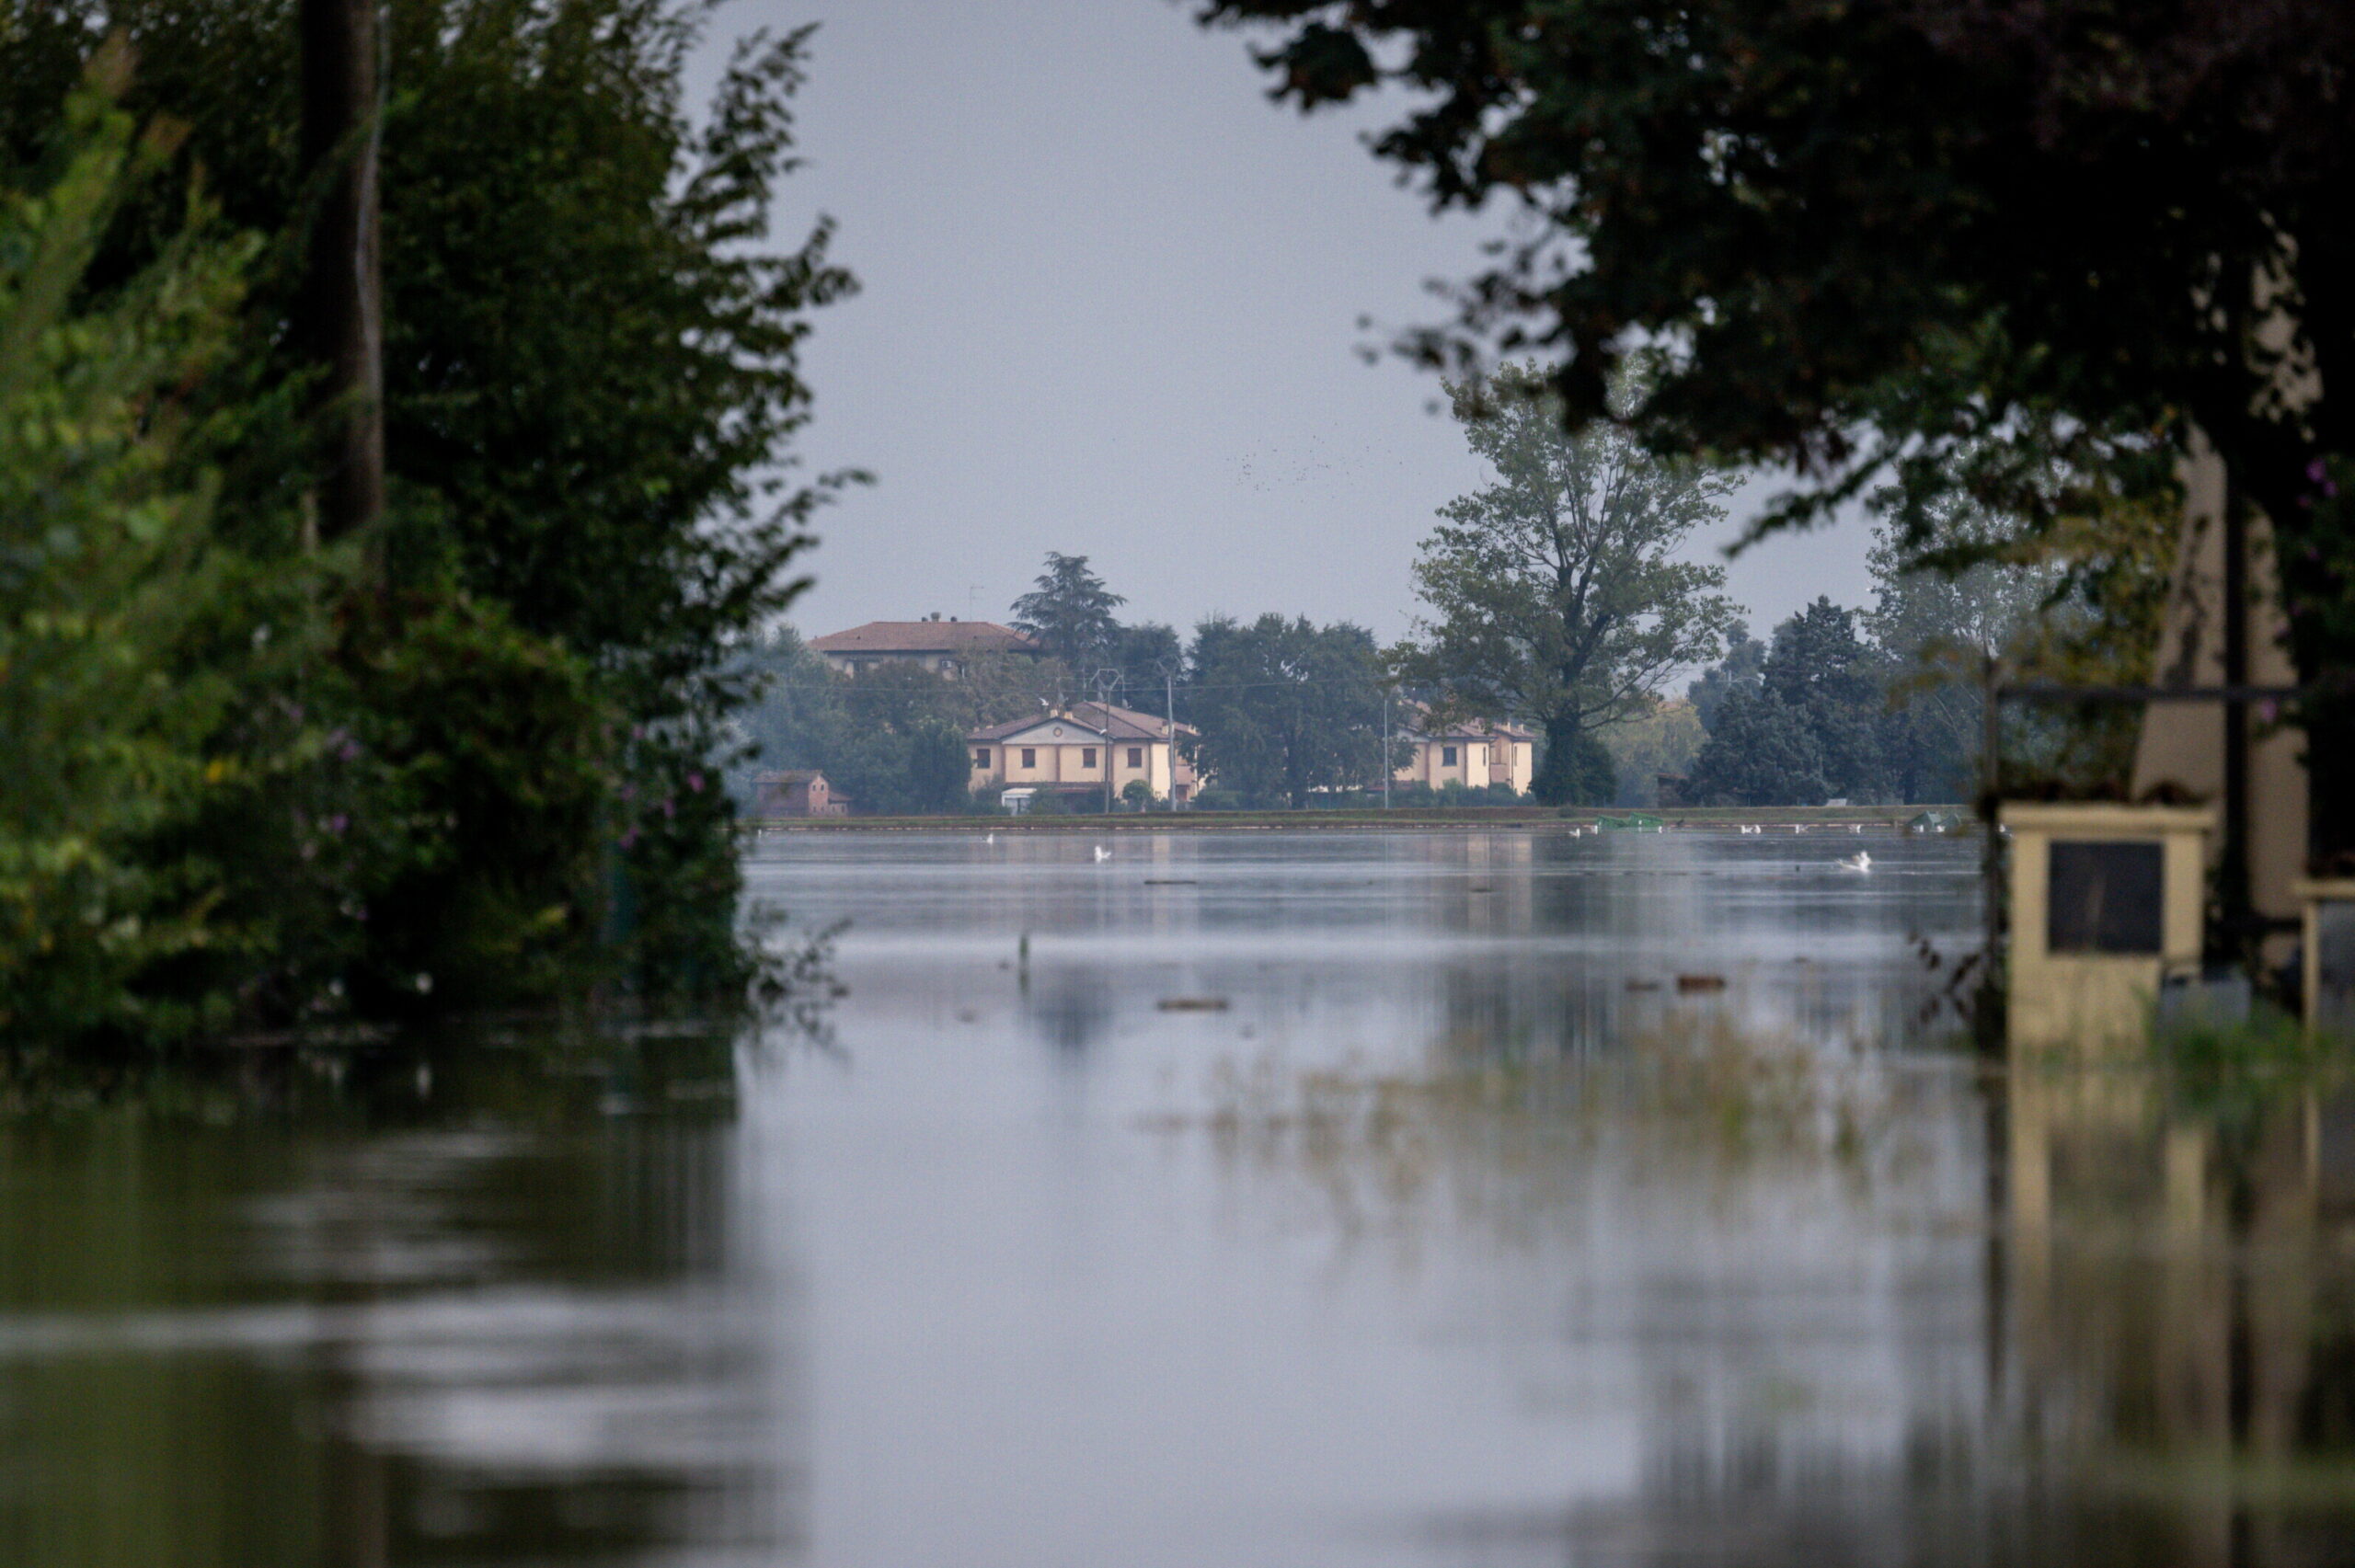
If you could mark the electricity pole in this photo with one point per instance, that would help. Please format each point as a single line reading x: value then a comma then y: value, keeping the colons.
x: 1386, y: 769
x: 1106, y: 681
x: 341, y: 303
x: 1169, y: 668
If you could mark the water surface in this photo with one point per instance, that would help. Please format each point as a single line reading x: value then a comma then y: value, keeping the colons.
x: 1478, y: 1199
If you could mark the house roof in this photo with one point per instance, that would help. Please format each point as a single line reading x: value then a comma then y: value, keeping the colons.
x: 1464, y: 729
x: 790, y: 776
x: 1096, y: 718
x: 926, y: 636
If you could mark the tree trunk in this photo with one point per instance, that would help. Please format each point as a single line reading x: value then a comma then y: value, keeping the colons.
x: 1576, y: 770
x: 341, y: 309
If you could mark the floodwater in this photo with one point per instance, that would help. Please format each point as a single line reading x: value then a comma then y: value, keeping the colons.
x: 1472, y: 1199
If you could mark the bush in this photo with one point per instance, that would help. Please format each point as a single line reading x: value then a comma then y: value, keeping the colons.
x: 112, y: 572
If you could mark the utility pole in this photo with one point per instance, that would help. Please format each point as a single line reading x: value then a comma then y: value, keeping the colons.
x: 1107, y: 681
x: 1386, y: 769
x: 1169, y: 668
x: 341, y: 303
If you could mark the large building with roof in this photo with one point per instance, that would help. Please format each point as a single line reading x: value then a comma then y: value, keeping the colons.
x: 943, y: 646
x: 1474, y: 753
x: 1079, y: 748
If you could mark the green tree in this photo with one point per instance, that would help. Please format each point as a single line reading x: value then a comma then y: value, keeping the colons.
x: 1812, y: 729
x: 1897, y: 239
x: 112, y: 572
x: 1763, y: 752
x: 1737, y: 671
x: 1821, y: 667
x: 1553, y: 594
x: 1286, y: 708
x: 591, y: 382
x: 1070, y: 611
x: 1665, y: 740
x: 1141, y: 652
x: 1937, y: 631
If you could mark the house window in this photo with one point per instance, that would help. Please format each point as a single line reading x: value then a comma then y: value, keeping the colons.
x: 1087, y: 756
x: 1136, y: 756
x: 1447, y: 756
x: 1029, y: 756
x: 981, y: 756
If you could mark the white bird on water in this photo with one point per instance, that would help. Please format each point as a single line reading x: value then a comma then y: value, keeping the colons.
x: 1861, y: 861
x: 1855, y: 827
x: 989, y: 837
x: 1102, y: 854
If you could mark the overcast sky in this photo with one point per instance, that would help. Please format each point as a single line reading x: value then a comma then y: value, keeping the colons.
x: 1111, y: 306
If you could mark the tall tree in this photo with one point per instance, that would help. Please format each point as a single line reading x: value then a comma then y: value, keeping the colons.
x: 1971, y: 235
x: 1069, y: 610
x: 1812, y: 727
x: 590, y: 387
x: 1152, y: 662
x: 1937, y: 631
x: 1286, y: 708
x: 1737, y: 671
x: 1554, y: 595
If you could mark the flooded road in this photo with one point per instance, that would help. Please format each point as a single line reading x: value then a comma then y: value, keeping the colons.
x: 1447, y: 1199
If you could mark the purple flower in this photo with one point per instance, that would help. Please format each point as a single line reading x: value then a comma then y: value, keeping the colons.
x: 669, y: 807
x: 629, y: 838
x: 337, y: 823
x: 350, y: 752
x: 2315, y: 471
x: 694, y: 782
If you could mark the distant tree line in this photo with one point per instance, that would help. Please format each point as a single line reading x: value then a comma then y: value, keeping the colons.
x: 1554, y: 598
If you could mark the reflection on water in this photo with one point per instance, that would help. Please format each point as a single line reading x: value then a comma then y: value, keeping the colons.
x: 1253, y: 1198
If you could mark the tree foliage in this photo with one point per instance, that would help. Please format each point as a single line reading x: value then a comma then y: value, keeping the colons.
x: 433, y: 757
x: 1286, y: 708
x: 1736, y: 672
x: 1554, y: 593
x: 1812, y: 728
x: 1070, y: 611
x: 2024, y: 251
x: 108, y: 570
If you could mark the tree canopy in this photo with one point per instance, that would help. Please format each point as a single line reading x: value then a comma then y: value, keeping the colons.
x: 1554, y: 594
x: 1287, y: 708
x: 1943, y: 243
x: 1069, y: 610
x: 478, y: 721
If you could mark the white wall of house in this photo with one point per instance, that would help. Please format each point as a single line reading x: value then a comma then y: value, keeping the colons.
x: 1471, y: 760
x: 1061, y: 752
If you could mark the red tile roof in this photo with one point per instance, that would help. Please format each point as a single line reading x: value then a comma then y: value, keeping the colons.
x: 926, y: 636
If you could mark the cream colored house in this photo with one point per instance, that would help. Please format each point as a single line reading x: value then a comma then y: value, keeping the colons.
x: 1474, y: 754
x: 1073, y: 750
x: 944, y: 647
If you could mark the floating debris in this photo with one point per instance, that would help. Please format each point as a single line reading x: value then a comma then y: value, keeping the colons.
x: 1689, y: 985
x: 1192, y: 1004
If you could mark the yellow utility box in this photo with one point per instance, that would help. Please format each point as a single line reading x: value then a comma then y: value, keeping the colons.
x: 2329, y: 953
x: 2106, y: 906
